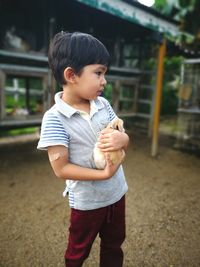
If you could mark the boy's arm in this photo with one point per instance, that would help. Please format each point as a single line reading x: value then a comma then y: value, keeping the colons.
x: 58, y: 157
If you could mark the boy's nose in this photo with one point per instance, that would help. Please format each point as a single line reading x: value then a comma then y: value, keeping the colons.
x: 104, y: 82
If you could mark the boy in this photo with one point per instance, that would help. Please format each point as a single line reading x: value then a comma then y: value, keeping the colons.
x: 69, y: 132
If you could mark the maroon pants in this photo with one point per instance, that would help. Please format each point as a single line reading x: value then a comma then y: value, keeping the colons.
x: 109, y: 223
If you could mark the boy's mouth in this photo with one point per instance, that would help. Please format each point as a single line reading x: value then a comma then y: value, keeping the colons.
x: 99, y: 92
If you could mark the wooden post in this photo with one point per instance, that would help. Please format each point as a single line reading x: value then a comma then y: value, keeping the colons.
x: 2, y: 95
x: 156, y: 117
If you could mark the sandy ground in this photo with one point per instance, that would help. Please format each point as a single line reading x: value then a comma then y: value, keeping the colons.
x: 163, y: 208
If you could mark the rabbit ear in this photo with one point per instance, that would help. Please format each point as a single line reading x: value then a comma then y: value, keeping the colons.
x: 118, y: 125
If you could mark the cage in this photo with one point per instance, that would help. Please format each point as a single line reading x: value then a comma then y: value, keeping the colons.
x: 188, y: 126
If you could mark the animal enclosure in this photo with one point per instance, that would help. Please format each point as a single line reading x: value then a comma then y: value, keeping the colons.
x: 189, y: 106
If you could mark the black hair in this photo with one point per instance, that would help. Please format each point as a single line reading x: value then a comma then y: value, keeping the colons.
x: 75, y: 50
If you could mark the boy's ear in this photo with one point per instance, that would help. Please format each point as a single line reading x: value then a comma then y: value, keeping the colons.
x: 69, y: 75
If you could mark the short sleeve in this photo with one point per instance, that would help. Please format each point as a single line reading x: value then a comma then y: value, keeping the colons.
x: 52, y: 132
x: 111, y: 112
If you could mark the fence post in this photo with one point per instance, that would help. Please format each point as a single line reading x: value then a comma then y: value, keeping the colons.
x: 158, y: 95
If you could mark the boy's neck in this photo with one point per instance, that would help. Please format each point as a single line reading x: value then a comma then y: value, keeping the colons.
x: 76, y: 102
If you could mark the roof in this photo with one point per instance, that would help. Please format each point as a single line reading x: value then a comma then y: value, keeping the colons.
x: 135, y: 13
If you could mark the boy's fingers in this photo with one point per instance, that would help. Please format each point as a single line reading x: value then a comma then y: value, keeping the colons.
x: 107, y: 156
x: 103, y: 140
x: 109, y: 162
x: 104, y: 137
x: 106, y: 130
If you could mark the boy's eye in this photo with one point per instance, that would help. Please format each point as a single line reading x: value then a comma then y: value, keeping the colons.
x: 98, y: 73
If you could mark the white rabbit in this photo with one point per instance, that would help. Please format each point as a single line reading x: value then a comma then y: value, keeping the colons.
x: 115, y: 156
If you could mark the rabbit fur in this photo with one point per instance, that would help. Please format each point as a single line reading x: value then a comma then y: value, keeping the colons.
x: 115, y: 156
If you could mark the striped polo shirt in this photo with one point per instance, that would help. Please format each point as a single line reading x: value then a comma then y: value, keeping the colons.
x: 78, y: 132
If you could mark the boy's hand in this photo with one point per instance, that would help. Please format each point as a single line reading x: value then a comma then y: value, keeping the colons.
x: 110, y: 168
x: 111, y: 140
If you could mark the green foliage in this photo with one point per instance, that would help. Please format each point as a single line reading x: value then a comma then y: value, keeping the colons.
x: 187, y: 14
x: 13, y: 102
x: 169, y: 102
x: 165, y: 6
x: 16, y: 132
x: 127, y: 92
x: 177, y: 8
x: 36, y: 83
x: 173, y: 63
x: 108, y: 92
x: 171, y: 85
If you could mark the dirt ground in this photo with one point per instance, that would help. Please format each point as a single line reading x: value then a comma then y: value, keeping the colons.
x: 163, y: 208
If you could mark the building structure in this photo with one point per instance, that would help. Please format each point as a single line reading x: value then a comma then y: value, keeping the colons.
x: 132, y: 33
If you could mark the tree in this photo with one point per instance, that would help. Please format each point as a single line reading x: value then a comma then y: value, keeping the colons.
x: 186, y: 12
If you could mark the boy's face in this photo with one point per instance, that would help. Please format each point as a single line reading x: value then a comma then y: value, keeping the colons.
x: 91, y: 82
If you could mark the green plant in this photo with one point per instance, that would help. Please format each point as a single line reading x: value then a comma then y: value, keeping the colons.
x: 171, y: 84
x: 16, y: 132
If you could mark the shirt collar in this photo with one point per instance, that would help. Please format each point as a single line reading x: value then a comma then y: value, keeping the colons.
x: 68, y: 110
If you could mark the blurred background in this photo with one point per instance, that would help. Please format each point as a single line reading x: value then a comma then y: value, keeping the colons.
x: 153, y: 84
